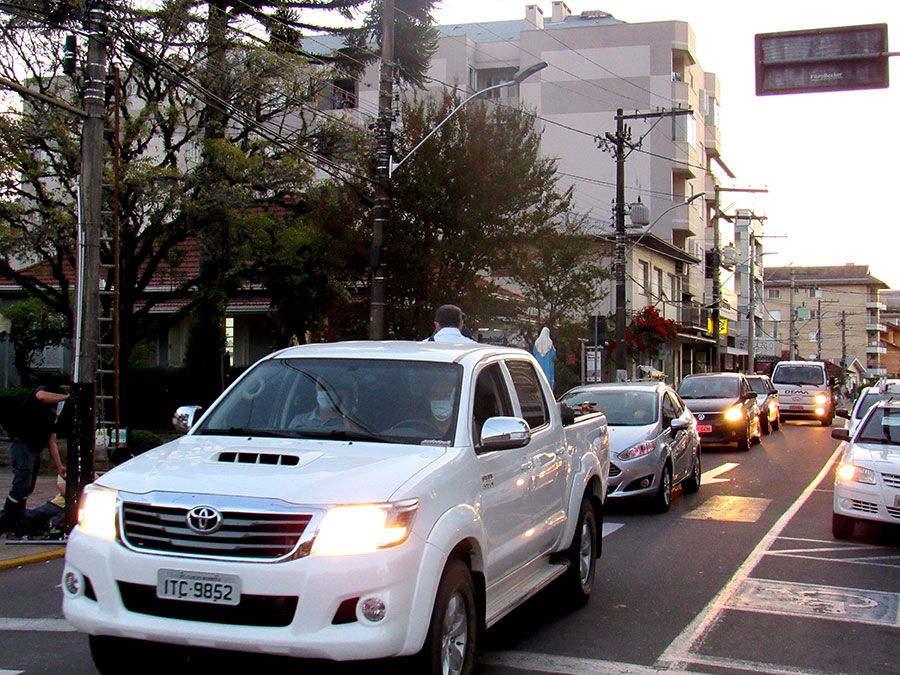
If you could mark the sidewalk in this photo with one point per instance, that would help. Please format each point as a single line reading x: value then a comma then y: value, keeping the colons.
x: 14, y: 555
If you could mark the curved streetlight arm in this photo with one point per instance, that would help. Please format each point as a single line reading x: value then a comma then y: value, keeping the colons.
x: 517, y: 79
x: 671, y: 208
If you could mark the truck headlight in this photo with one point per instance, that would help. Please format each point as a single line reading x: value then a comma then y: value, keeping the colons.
x: 638, y: 450
x: 821, y: 399
x: 860, y: 474
x: 97, y: 512
x: 353, y: 529
x: 734, y: 413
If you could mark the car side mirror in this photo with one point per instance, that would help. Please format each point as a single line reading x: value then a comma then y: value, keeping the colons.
x: 567, y: 414
x: 679, y: 424
x: 504, y: 433
x: 841, y: 434
x: 184, y: 417
x: 842, y: 412
x: 750, y: 395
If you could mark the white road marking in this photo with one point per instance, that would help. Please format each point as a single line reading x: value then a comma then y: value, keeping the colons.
x: 846, y: 561
x: 712, y: 476
x: 784, y: 598
x: 679, y: 652
x: 36, y: 625
x: 749, y: 666
x: 730, y: 509
x: 609, y: 528
x: 565, y: 665
x: 11, y: 672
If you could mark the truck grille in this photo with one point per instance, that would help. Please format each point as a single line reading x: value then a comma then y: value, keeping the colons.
x: 164, y: 529
x: 253, y: 610
x: 891, y: 479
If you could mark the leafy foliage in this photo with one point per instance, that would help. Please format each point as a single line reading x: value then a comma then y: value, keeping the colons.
x: 35, y: 326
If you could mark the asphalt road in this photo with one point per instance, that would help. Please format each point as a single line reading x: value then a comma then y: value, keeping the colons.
x: 743, y: 576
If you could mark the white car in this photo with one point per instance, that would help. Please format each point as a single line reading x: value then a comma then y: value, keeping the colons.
x: 883, y: 391
x: 867, y: 479
x: 344, y: 501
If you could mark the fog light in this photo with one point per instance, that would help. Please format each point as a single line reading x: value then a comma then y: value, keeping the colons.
x: 373, y: 609
x: 847, y: 504
x: 72, y: 582
x: 820, y: 412
x: 645, y: 483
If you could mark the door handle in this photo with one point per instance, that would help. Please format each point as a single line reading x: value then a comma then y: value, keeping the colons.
x: 527, y: 466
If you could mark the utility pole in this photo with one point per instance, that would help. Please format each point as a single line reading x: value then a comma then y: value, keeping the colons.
x: 791, y: 321
x: 751, y: 297
x: 843, y: 338
x: 819, y: 330
x: 80, y: 454
x: 622, y: 138
x: 383, y: 154
x: 716, y: 277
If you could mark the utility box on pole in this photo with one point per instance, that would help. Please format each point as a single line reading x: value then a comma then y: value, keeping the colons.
x: 823, y: 59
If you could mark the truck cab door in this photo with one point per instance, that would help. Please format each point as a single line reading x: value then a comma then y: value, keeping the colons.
x: 547, y: 456
x: 505, y: 494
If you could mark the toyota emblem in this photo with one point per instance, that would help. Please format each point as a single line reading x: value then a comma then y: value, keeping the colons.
x: 204, y: 519
x: 701, y: 416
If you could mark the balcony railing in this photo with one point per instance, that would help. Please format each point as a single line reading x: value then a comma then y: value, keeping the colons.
x: 876, y: 349
x: 877, y: 372
x: 876, y: 328
x: 875, y: 304
x: 694, y: 316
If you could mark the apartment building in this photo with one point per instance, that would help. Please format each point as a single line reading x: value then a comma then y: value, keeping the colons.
x: 890, y: 339
x: 837, y: 314
x: 599, y: 64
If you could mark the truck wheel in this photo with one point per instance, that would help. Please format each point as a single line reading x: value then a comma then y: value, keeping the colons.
x: 776, y: 423
x: 841, y: 526
x: 826, y: 421
x: 577, y: 582
x: 691, y: 484
x: 450, y: 644
x: 111, y: 654
x: 662, y: 500
x: 744, y: 443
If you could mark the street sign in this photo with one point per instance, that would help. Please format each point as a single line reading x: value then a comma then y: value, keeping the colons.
x: 723, y: 326
x: 823, y: 59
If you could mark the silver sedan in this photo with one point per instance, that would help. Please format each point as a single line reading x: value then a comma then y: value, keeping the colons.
x: 653, y: 440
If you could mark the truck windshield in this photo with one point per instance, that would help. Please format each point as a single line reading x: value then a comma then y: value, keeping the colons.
x: 342, y: 399
x: 799, y: 375
x: 710, y: 387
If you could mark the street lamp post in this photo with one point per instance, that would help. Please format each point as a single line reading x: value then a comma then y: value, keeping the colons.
x: 382, y: 217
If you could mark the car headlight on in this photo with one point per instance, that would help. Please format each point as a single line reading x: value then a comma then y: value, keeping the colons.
x: 353, y: 529
x: 859, y: 474
x: 98, y: 511
x: 638, y: 450
x: 821, y: 399
x: 734, y: 413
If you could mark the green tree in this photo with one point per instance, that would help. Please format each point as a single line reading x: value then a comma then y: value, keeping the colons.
x: 34, y: 327
x: 463, y: 204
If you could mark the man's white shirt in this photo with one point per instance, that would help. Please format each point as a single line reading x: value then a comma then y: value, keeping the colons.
x: 449, y: 334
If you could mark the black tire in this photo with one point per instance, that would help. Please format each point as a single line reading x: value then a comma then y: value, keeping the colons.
x: 764, y: 427
x: 842, y: 527
x: 826, y: 421
x: 662, y: 500
x: 450, y: 643
x: 743, y: 444
x: 691, y: 484
x: 113, y: 655
x: 777, y: 423
x: 576, y: 584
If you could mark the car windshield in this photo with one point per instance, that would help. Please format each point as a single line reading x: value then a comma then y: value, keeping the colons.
x: 342, y: 399
x: 870, y: 399
x: 883, y: 426
x: 622, y: 408
x: 758, y: 385
x: 710, y: 387
x: 799, y: 375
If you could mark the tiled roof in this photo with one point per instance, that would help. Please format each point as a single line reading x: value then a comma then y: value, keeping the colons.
x: 825, y: 275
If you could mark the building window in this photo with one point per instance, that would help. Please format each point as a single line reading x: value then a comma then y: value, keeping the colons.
x: 659, y: 283
x: 684, y: 129
x: 493, y: 76
x: 340, y: 95
x: 229, y: 338
x: 473, y: 80
x: 645, y: 278
x: 774, y: 293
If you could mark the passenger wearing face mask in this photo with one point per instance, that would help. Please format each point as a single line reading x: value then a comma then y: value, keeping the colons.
x: 442, y: 399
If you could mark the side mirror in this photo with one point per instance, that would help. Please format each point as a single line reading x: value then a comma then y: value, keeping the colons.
x: 567, y: 414
x: 842, y: 412
x: 841, y: 434
x: 184, y: 417
x: 505, y: 433
x: 679, y: 424
x: 750, y: 395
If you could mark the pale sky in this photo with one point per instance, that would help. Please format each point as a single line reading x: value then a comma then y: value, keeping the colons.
x: 828, y: 160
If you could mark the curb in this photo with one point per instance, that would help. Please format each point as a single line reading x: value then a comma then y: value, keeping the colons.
x: 30, y: 559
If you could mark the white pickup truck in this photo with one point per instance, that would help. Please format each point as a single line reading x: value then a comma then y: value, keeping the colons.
x: 344, y: 501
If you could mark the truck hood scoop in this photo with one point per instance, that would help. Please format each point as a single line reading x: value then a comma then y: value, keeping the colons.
x: 269, y: 459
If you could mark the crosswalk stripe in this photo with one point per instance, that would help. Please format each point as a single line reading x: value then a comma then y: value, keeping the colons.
x: 36, y: 625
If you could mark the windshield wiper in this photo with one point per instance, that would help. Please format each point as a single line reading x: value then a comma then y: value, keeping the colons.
x: 337, y: 435
x: 240, y: 431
